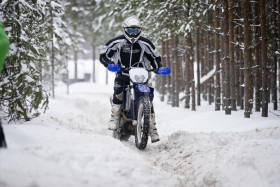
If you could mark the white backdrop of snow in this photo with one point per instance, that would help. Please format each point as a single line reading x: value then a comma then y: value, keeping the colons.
x: 70, y: 145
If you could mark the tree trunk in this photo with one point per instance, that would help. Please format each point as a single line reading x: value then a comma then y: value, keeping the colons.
x: 67, y: 71
x: 93, y: 60
x: 192, y: 71
x: 204, y: 64
x: 264, y: 61
x: 278, y: 18
x: 257, y: 65
x: 173, y: 71
x: 76, y: 64
x: 211, y: 59
x: 188, y: 62
x: 231, y: 56
x: 237, y: 70
x: 179, y: 66
x: 176, y: 71
x: 238, y: 58
x: 222, y: 49
x: 274, y: 63
x: 241, y: 54
x: 197, y: 61
x: 247, y: 59
x: 163, y: 78
x: 75, y: 51
x: 240, y: 40
x: 93, y: 51
x: 168, y: 78
x: 218, y: 60
x: 187, y: 75
x: 226, y: 60
x: 52, y: 53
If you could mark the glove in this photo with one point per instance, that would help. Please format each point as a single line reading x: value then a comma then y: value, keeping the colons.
x: 114, y: 68
x: 164, y: 71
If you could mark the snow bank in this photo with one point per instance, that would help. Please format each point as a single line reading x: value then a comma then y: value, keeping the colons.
x: 70, y: 145
x: 48, y: 155
x: 221, y: 159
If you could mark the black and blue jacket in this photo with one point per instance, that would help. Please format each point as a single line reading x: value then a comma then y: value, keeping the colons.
x: 120, y: 51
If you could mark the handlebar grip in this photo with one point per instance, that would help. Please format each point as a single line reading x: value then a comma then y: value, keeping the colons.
x: 164, y: 71
x: 114, y: 68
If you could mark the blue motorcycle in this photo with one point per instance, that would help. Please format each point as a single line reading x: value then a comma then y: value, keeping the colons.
x: 137, y: 106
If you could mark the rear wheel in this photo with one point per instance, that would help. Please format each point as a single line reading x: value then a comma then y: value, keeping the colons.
x: 143, y: 123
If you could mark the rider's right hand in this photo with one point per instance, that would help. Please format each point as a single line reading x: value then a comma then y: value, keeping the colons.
x: 114, y: 68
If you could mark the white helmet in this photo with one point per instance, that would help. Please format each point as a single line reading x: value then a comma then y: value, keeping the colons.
x: 132, y: 28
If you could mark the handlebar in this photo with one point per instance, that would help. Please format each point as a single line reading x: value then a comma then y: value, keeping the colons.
x: 127, y: 69
x: 117, y: 68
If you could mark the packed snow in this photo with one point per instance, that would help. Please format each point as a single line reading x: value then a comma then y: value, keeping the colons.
x: 70, y: 145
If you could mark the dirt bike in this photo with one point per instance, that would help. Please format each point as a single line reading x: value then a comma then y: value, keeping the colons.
x: 137, y: 106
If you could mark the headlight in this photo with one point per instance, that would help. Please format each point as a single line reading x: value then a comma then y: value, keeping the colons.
x: 139, y: 78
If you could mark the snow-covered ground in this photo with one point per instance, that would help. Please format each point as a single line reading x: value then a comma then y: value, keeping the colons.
x: 70, y: 145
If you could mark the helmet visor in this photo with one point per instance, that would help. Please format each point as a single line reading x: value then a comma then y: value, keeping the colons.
x: 132, y: 31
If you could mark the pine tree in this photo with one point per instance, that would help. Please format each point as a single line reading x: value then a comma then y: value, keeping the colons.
x: 73, y: 16
x: 229, y: 26
x: 58, y: 42
x: 22, y: 95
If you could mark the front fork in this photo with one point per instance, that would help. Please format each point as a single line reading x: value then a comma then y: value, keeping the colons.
x: 130, y: 104
x: 133, y: 108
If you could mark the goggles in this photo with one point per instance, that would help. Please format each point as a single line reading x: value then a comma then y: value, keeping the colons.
x: 132, y: 31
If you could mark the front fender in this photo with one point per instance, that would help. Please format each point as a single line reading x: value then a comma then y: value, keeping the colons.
x: 143, y: 88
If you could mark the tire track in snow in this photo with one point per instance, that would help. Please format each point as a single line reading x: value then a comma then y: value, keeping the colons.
x: 219, y: 159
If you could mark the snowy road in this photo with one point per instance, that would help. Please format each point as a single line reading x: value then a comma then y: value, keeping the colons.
x: 71, y: 146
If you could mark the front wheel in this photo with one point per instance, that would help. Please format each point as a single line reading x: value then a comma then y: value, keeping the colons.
x: 143, y: 123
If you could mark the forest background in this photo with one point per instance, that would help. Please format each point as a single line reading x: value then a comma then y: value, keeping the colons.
x: 223, y: 51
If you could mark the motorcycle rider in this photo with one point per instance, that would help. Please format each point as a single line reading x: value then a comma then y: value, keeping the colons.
x: 129, y: 50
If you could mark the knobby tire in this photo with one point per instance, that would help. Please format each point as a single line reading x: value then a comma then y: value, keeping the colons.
x: 143, y: 112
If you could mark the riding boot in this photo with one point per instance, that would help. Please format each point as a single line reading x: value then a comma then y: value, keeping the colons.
x: 153, y: 130
x: 115, y: 116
